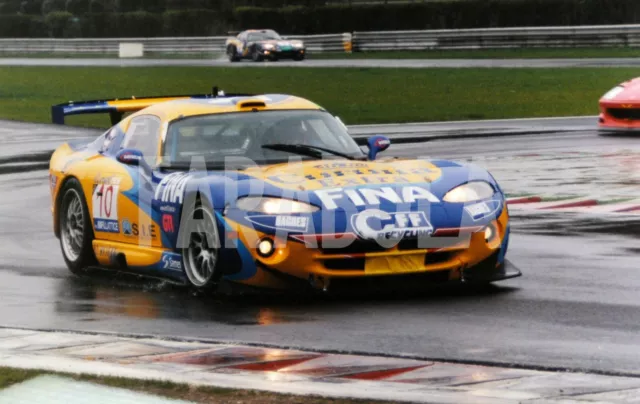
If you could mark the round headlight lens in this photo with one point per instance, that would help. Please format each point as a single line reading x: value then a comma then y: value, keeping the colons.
x: 266, y: 247
x: 273, y: 206
x: 470, y: 192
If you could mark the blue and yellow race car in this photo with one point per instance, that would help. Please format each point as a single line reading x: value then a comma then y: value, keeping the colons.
x: 268, y: 191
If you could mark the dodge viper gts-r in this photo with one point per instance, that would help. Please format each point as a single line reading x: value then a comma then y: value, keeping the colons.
x: 259, y: 45
x: 268, y: 191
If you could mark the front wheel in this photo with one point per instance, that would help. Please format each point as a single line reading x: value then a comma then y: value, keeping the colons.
x: 256, y: 56
x: 201, y: 254
x: 76, y: 231
x: 232, y: 54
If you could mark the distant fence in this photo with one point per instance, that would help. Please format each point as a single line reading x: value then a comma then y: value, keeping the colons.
x: 580, y: 36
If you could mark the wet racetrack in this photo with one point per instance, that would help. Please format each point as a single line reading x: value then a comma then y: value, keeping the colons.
x: 575, y: 307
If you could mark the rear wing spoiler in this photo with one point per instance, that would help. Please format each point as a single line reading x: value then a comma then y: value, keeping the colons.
x: 117, y: 107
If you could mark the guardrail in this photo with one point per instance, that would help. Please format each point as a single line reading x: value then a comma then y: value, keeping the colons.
x: 579, y: 36
x: 486, y: 38
x: 178, y: 45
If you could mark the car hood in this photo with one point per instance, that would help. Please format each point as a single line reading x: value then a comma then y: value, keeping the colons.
x: 315, y: 175
x: 281, y: 42
x: 627, y: 92
x: 341, y: 190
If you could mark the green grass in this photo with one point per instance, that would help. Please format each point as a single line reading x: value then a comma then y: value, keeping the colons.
x: 11, y: 376
x: 357, y: 95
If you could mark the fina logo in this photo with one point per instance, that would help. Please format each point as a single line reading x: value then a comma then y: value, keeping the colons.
x: 385, y: 227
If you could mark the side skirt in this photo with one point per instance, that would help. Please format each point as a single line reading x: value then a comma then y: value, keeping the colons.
x: 156, y: 262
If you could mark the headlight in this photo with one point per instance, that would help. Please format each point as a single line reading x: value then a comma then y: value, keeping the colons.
x: 298, y: 45
x: 470, y: 192
x: 273, y: 206
x: 613, y: 93
x: 267, y: 46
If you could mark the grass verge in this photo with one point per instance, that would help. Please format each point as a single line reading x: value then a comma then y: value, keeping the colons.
x: 208, y: 395
x: 357, y: 95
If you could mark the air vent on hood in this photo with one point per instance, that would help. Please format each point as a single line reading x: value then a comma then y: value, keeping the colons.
x: 252, y: 104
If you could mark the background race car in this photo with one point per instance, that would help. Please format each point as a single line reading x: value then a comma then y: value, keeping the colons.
x: 263, y: 44
x: 620, y: 108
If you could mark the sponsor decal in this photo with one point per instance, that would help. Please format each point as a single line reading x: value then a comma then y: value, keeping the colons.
x: 112, y: 180
x: 374, y: 196
x: 375, y: 224
x: 107, y: 252
x: 126, y: 227
x: 297, y: 222
x: 106, y: 226
x: 167, y: 223
x: 481, y: 210
x: 171, y: 188
x: 382, y: 143
x: 360, y: 175
x: 171, y: 261
x: 126, y: 157
x: 105, y: 207
x: 327, y: 166
x: 134, y: 229
x: 281, y: 222
x: 167, y: 208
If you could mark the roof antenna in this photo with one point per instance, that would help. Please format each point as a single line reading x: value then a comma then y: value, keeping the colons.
x: 215, y: 91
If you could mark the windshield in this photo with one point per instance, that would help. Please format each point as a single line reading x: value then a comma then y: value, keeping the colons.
x: 245, y: 134
x: 263, y: 36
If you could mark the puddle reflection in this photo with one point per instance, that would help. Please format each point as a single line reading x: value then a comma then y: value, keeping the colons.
x: 101, y: 294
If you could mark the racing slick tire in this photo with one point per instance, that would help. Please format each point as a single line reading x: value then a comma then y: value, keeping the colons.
x: 200, y: 257
x: 232, y: 53
x: 256, y: 56
x: 76, y: 230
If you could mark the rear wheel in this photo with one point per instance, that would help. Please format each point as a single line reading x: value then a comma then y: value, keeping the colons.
x: 76, y: 231
x: 201, y: 255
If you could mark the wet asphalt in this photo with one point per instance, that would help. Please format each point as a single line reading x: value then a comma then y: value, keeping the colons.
x: 576, y: 307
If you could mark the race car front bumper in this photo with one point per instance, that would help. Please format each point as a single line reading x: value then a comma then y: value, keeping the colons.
x: 294, y: 53
x: 628, y: 123
x: 463, y: 257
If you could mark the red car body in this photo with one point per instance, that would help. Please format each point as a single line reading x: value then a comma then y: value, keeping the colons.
x: 620, y: 107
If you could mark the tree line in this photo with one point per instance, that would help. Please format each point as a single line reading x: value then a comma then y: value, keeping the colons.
x: 152, y: 18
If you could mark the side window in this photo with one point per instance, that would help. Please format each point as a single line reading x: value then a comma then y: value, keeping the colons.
x: 109, y: 138
x: 143, y: 134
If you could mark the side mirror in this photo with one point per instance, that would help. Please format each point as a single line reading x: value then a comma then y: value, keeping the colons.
x: 377, y: 144
x: 130, y: 157
x: 133, y: 157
